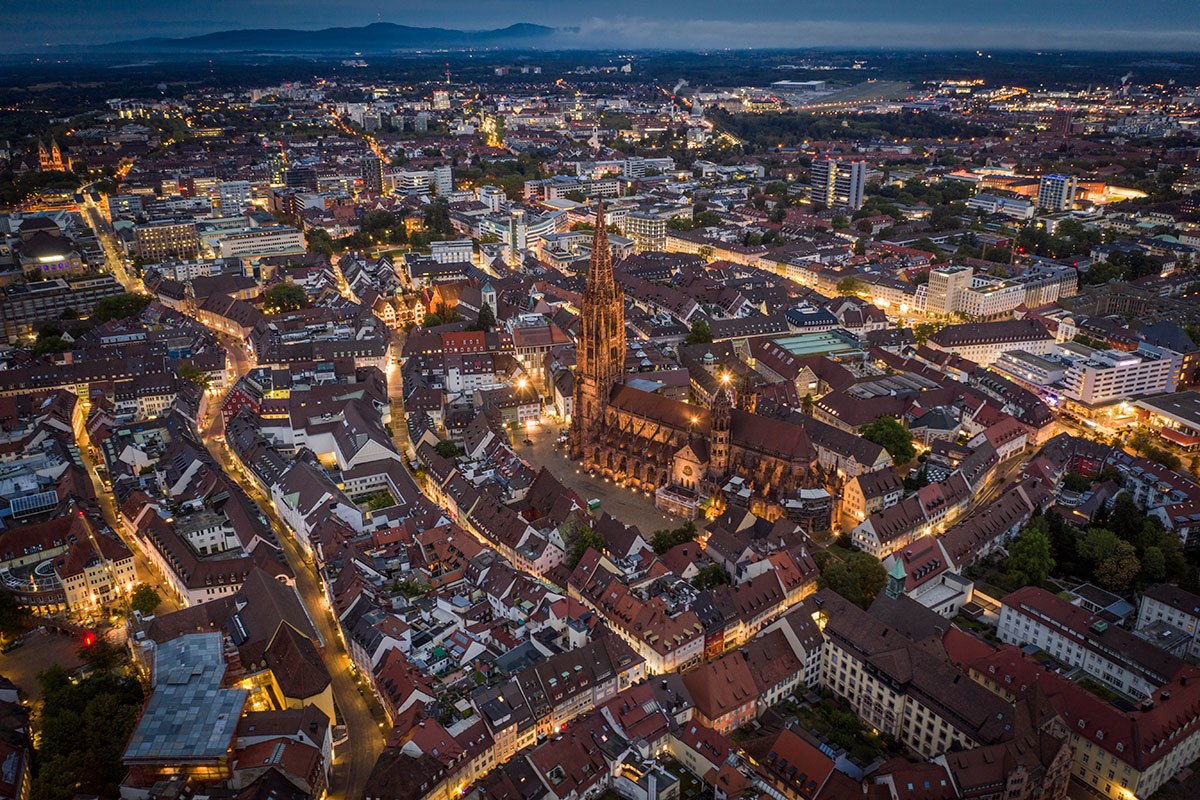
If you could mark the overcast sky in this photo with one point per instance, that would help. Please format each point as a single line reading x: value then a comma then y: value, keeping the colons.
x: 935, y: 24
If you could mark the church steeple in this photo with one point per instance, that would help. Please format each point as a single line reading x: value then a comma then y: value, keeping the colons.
x: 896, y: 579
x: 600, y: 350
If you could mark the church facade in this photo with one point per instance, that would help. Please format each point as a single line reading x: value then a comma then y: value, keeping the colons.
x: 681, y: 452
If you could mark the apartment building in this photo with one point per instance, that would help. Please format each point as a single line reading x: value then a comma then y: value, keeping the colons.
x: 835, y: 182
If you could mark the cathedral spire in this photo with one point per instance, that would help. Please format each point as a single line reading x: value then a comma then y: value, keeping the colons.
x: 600, y: 348
x: 600, y: 272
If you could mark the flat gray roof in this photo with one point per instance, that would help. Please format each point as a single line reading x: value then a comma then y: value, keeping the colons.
x: 189, y: 716
x: 1183, y: 407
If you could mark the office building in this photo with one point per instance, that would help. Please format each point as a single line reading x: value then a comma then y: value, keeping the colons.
x: 235, y: 195
x: 301, y: 178
x: 1080, y: 639
x: 272, y: 241
x: 167, y: 238
x: 443, y: 179
x: 1056, y: 192
x: 634, y: 167
x: 946, y: 284
x: 441, y: 100
x: 837, y: 183
x: 372, y: 174
x: 989, y: 297
x: 648, y: 231
x: 23, y: 307
x: 276, y: 166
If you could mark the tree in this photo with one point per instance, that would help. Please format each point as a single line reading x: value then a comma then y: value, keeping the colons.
x: 1029, y: 559
x: 1097, y: 545
x: 851, y: 286
x: 190, y: 372
x: 102, y: 655
x: 319, y: 241
x: 486, y: 319
x: 709, y: 576
x: 924, y: 330
x: 585, y: 539
x: 859, y: 577
x: 1154, y: 566
x: 380, y: 500
x: 50, y: 344
x: 701, y: 333
x: 120, y: 306
x: 1118, y: 571
x: 284, y: 297
x: 446, y: 448
x: 144, y: 599
x: 10, y: 613
x: 576, y: 196
x: 839, y: 222
x: 891, y: 435
x: 663, y: 540
x: 85, y: 728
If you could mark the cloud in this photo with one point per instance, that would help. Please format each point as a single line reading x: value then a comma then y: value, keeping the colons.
x: 708, y: 34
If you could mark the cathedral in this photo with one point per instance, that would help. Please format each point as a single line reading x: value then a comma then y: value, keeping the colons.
x: 54, y: 158
x: 681, y: 452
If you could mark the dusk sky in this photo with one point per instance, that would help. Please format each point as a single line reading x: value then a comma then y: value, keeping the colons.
x: 1015, y: 24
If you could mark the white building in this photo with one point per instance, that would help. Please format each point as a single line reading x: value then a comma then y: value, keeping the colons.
x: 1107, y: 376
x: 944, y: 287
x: 837, y: 183
x: 1175, y: 607
x: 235, y: 195
x: 1078, y: 638
x: 1057, y: 192
x: 275, y: 240
x: 990, y: 297
x: 455, y: 251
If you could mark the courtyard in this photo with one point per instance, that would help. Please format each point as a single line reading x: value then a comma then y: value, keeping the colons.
x: 633, y: 508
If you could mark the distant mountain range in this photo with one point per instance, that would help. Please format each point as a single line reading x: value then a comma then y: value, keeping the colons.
x: 379, y: 37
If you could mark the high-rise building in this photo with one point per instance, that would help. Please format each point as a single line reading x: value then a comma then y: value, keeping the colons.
x: 946, y: 285
x: 441, y: 100
x: 372, y: 174
x: 635, y: 167
x: 1057, y: 192
x: 276, y: 165
x: 443, y: 179
x: 837, y: 183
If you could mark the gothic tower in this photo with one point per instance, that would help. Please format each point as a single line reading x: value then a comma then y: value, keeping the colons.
x: 600, y: 351
x: 722, y: 412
